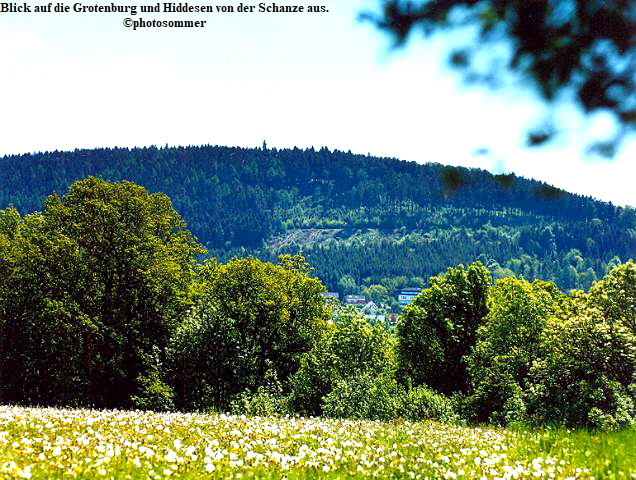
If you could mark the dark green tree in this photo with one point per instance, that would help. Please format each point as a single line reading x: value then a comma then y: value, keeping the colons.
x: 93, y: 284
x: 438, y: 329
x: 253, y: 320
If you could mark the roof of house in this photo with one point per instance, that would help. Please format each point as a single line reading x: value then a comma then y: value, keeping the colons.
x: 371, y: 306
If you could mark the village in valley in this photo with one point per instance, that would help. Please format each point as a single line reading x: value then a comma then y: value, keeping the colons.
x: 376, y: 313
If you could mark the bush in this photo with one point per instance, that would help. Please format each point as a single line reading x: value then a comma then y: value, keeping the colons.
x: 423, y: 403
x: 364, y: 397
x: 382, y: 398
x: 154, y: 393
x: 266, y: 402
x: 352, y: 349
x: 318, y: 374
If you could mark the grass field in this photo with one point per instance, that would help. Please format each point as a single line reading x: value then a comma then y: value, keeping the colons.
x: 60, y: 443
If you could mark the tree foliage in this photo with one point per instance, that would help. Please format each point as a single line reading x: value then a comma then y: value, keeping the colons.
x: 507, y: 343
x: 252, y: 319
x: 90, y: 287
x: 351, y: 349
x: 438, y: 329
x: 615, y: 296
x: 102, y: 304
x: 586, y: 373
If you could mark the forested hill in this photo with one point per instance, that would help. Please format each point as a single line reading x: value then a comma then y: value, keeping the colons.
x: 360, y: 220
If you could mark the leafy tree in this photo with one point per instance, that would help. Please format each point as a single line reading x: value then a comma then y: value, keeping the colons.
x: 92, y: 285
x: 588, y: 47
x: 41, y: 324
x: 438, y: 329
x: 252, y: 319
x: 360, y: 346
x: 507, y: 343
x: 9, y: 220
x: 351, y: 349
x: 364, y: 396
x: 317, y: 375
x: 585, y: 376
x: 347, y: 285
x: 615, y: 295
x: 376, y: 293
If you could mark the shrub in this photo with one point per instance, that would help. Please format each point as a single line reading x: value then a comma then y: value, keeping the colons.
x: 268, y: 400
x: 154, y: 393
x: 364, y: 397
x: 351, y: 352
x: 423, y: 403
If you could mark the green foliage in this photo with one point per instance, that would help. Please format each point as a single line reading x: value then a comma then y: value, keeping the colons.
x: 380, y: 397
x: 154, y: 393
x: 364, y: 396
x: 251, y: 317
x: 317, y: 375
x: 423, y: 403
x: 438, y: 329
x: 352, y: 349
x: 615, y: 296
x: 507, y: 343
x: 547, y: 358
x: 587, y: 372
x: 268, y: 400
x: 377, y: 294
x: 100, y: 291
x: 90, y: 286
x: 9, y: 220
x: 360, y: 346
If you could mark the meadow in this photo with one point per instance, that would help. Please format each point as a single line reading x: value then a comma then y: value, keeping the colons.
x: 65, y: 443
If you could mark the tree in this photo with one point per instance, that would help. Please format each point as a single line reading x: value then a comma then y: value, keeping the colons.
x: 586, y: 373
x: 41, y: 324
x: 438, y: 329
x: 352, y: 349
x: 377, y: 294
x: 507, y: 343
x: 93, y: 285
x: 615, y: 295
x: 253, y: 320
x: 589, y: 47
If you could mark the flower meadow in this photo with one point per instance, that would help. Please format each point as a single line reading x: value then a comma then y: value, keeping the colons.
x: 64, y: 443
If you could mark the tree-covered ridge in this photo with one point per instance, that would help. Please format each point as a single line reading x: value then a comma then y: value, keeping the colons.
x: 298, y: 188
x: 427, y: 217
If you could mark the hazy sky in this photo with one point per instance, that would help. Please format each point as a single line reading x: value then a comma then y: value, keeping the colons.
x: 83, y: 80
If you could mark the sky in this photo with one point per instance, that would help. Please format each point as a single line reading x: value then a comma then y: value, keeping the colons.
x: 84, y: 80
